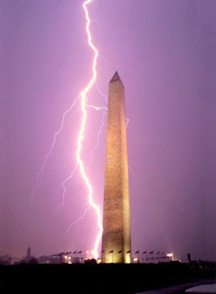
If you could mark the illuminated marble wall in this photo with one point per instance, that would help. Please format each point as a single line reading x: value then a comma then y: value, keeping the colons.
x: 116, y: 240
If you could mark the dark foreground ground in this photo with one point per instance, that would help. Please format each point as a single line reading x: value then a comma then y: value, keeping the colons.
x: 102, y: 278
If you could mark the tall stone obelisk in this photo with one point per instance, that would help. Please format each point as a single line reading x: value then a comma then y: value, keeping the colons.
x: 116, y: 239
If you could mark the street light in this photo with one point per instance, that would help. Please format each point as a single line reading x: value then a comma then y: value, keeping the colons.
x: 170, y: 255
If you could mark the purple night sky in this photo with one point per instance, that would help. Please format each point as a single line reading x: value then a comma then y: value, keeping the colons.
x: 165, y: 53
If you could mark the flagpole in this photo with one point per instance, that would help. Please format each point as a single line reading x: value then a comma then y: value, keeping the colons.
x: 152, y: 252
x: 145, y: 252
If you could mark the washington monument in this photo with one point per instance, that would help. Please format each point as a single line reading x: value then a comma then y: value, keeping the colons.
x: 116, y: 239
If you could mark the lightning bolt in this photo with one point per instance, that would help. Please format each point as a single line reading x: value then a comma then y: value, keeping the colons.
x: 64, y: 190
x: 96, y: 107
x: 102, y: 94
x: 127, y: 122
x: 134, y: 175
x: 80, y: 139
x: 91, y: 159
x: 79, y: 162
x: 41, y: 172
x: 78, y: 220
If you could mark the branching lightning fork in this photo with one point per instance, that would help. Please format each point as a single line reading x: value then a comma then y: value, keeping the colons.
x: 79, y: 162
x: 82, y: 130
x: 41, y: 172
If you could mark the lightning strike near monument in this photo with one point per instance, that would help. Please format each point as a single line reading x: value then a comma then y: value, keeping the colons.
x: 82, y: 130
x: 79, y: 161
x: 116, y: 218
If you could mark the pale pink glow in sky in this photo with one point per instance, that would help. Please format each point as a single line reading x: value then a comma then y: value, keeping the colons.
x: 165, y: 52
